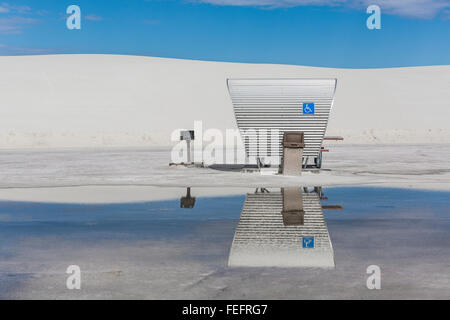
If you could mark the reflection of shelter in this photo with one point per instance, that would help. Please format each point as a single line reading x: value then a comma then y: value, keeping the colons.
x: 187, y: 202
x: 284, y: 229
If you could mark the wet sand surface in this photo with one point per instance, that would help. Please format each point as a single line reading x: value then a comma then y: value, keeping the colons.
x: 408, y: 166
x: 157, y: 250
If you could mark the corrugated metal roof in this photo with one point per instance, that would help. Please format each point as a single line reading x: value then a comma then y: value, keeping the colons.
x: 264, y: 104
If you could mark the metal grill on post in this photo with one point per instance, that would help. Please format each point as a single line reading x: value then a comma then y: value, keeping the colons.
x: 293, y: 144
x: 188, y: 136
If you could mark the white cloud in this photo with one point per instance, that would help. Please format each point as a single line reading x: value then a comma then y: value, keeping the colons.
x: 15, y: 18
x: 93, y: 17
x: 412, y: 8
x: 14, y: 8
x: 446, y: 14
x: 407, y: 8
x: 14, y: 25
x: 8, y: 50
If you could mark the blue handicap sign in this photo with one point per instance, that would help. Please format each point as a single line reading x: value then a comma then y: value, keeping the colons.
x: 308, y: 242
x: 308, y: 108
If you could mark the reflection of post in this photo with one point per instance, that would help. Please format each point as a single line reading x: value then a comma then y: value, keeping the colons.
x: 318, y: 190
x: 187, y: 202
x: 332, y: 207
x: 293, y: 214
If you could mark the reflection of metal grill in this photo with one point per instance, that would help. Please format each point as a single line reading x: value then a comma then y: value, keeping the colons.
x: 187, y: 202
x: 285, y: 105
x: 263, y: 238
x: 293, y: 213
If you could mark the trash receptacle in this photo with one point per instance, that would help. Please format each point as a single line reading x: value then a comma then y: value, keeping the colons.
x: 293, y: 144
x: 293, y: 213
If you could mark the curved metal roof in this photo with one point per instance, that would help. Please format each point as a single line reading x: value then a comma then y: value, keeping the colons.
x: 264, y: 104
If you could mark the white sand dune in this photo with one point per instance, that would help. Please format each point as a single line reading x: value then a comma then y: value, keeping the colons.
x: 110, y: 100
x: 53, y: 105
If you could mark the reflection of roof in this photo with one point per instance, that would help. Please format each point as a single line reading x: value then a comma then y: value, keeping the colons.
x: 262, y: 239
x: 283, y: 104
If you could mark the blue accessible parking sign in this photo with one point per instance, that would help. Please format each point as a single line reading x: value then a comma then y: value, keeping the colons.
x: 308, y: 108
x: 308, y: 242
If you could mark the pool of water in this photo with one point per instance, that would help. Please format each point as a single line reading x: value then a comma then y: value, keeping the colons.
x: 287, y: 243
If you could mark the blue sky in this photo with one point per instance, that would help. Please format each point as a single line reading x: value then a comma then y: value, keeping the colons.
x: 330, y: 33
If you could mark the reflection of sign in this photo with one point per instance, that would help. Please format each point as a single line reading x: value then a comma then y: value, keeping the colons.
x: 187, y: 135
x: 308, y: 242
x: 308, y: 108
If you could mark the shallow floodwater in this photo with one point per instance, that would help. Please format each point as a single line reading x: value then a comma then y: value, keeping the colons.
x: 260, y: 244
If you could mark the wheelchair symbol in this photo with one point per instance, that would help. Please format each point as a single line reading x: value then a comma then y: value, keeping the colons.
x: 308, y: 108
x: 308, y: 242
